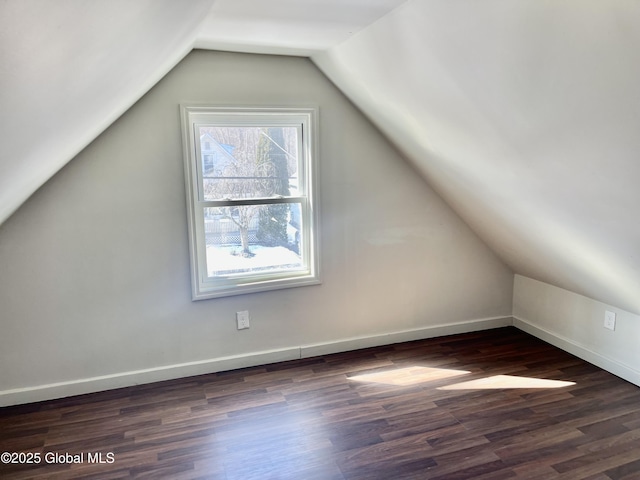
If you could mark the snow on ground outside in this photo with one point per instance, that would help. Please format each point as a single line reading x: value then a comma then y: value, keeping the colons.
x: 221, y: 260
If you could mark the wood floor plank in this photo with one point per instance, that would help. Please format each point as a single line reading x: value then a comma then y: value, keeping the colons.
x: 401, y: 411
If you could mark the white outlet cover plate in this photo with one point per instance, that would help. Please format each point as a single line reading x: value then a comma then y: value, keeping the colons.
x: 242, y: 318
x: 610, y: 320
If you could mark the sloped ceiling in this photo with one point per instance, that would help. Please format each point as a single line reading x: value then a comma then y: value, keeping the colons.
x: 287, y: 27
x: 69, y: 68
x: 523, y: 114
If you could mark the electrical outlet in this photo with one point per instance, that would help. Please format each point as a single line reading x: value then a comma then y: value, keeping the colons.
x: 610, y: 320
x: 243, y: 319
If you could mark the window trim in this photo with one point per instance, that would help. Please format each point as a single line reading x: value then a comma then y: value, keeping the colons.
x: 195, y: 115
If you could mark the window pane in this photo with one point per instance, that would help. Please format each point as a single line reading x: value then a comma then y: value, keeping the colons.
x: 249, y: 162
x: 252, y: 211
x: 253, y: 239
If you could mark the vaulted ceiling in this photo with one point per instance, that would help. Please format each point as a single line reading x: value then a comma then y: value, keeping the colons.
x: 523, y: 114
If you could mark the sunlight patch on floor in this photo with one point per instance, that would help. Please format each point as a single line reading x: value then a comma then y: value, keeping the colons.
x: 507, y: 381
x: 409, y: 376
x: 415, y: 375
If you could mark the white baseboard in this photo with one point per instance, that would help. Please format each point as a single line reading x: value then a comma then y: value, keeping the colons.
x: 403, y: 336
x: 126, y: 379
x: 619, y: 369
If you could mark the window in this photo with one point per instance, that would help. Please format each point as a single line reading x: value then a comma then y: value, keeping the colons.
x: 251, y: 199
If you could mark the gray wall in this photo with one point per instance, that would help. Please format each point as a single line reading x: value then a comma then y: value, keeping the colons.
x: 94, y: 268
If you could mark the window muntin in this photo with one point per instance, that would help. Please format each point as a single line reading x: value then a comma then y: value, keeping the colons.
x: 252, y: 212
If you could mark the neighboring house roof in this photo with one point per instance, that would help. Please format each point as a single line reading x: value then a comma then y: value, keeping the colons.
x: 221, y: 155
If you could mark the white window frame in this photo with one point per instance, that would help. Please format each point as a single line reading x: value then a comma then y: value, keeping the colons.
x: 196, y: 116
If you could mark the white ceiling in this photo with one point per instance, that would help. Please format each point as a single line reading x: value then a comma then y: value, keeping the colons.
x: 289, y: 27
x: 524, y: 115
x: 69, y: 68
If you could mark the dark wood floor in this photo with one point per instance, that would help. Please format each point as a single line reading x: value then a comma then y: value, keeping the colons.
x: 465, y: 406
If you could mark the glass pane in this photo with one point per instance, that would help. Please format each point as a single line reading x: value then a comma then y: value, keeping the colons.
x: 249, y: 162
x: 253, y: 239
